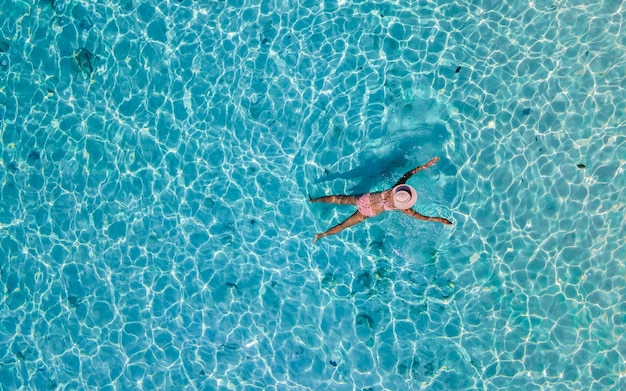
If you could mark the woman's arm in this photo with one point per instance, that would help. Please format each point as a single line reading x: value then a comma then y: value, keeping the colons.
x: 409, y: 174
x: 418, y: 216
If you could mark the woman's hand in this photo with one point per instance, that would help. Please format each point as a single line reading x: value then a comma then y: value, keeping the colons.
x: 432, y: 162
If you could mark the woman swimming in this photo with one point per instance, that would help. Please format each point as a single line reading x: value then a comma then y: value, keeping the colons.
x: 399, y: 197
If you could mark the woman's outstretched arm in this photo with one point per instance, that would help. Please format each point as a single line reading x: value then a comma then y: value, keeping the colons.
x: 409, y: 174
x: 356, y: 218
x: 419, y: 216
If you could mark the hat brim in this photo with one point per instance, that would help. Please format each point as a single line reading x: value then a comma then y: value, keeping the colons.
x: 402, y: 202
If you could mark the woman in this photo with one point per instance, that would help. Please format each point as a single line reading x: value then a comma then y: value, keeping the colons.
x: 400, y: 197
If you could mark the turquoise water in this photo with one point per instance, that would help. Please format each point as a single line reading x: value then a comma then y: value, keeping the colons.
x: 155, y: 230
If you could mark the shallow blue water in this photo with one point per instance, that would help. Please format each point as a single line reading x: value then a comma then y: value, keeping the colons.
x: 157, y: 157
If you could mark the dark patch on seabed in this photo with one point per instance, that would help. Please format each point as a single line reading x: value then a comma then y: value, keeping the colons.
x: 84, y: 59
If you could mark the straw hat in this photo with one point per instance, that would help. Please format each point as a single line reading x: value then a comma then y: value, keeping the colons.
x: 404, y: 196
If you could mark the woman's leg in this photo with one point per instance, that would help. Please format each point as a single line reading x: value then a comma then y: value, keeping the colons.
x: 356, y: 218
x: 336, y: 199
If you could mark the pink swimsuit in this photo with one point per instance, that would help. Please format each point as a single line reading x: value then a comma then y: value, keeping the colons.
x: 365, y: 205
